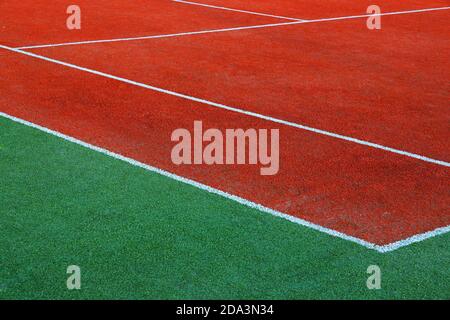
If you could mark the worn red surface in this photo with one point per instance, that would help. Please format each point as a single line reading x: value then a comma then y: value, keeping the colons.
x: 313, y: 9
x: 33, y: 22
x: 371, y: 194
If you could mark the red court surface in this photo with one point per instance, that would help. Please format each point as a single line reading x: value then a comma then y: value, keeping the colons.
x: 42, y: 23
x: 388, y: 87
x: 333, y: 76
x: 314, y: 9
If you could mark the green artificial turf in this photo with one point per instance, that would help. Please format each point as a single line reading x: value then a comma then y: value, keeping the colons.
x: 136, y: 235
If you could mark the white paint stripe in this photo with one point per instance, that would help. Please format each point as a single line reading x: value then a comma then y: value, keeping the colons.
x: 194, y: 183
x: 223, y: 30
x: 377, y: 15
x: 236, y: 110
x: 237, y: 10
x: 245, y: 202
x: 157, y: 36
x: 414, y: 239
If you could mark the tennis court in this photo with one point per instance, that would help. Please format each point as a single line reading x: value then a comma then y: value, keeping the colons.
x: 85, y: 131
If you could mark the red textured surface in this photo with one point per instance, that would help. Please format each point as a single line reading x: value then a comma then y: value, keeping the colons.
x: 389, y: 86
x: 314, y: 9
x: 374, y: 195
x: 35, y: 22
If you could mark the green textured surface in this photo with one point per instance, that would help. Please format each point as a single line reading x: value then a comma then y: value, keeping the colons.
x: 138, y: 235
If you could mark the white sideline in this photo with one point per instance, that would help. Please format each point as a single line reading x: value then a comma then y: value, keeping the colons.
x: 170, y: 35
x: 236, y: 110
x: 245, y: 202
x: 225, y: 30
x: 414, y: 239
x: 237, y: 10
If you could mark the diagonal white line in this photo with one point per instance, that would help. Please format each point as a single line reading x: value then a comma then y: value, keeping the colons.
x: 377, y: 14
x: 225, y: 29
x: 320, y: 19
x: 237, y: 10
x: 236, y: 110
x: 195, y: 184
x: 170, y: 35
x: 414, y: 239
x: 245, y: 202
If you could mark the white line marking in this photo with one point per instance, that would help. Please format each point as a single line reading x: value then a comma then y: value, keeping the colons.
x: 158, y: 36
x: 245, y: 202
x: 377, y: 15
x: 237, y: 10
x: 236, y: 110
x: 192, y: 182
x: 414, y: 239
x: 224, y: 30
